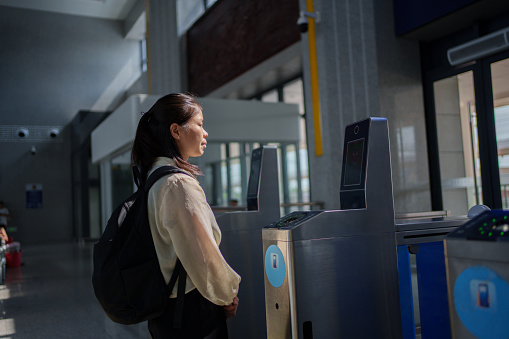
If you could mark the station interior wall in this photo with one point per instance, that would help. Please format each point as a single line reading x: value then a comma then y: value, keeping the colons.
x: 41, y: 53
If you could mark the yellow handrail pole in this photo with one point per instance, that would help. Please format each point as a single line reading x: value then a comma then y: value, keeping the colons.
x: 313, y: 70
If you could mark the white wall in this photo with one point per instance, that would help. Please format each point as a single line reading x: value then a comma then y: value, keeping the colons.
x: 225, y: 120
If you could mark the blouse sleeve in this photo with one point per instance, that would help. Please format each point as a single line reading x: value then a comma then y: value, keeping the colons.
x: 185, y: 214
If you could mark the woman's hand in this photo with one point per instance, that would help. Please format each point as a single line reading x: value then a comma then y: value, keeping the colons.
x: 231, y: 309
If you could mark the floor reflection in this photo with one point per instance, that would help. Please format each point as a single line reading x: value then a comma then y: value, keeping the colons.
x: 51, y: 296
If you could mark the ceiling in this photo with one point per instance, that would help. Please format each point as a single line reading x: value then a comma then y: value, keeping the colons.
x: 63, y: 56
x: 467, y: 16
x: 104, y: 9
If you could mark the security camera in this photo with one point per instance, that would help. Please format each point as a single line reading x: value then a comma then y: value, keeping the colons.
x: 33, y: 150
x: 53, y: 133
x: 22, y: 132
x: 302, y: 22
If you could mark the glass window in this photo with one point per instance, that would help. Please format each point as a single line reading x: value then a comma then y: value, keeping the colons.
x: 234, y: 149
x: 236, y: 180
x: 500, y: 83
x: 291, y: 167
x: 121, y: 178
x: 304, y: 175
x: 292, y: 157
x: 143, y: 54
x: 271, y: 96
x: 224, y: 183
x: 188, y: 11
x: 293, y: 93
x: 209, y: 174
x: 94, y: 196
x: 223, y: 151
x: 458, y: 147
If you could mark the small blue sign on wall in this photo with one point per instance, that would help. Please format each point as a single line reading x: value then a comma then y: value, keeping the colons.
x: 33, y: 195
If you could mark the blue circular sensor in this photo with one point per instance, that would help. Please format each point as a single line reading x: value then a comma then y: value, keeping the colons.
x: 481, y: 298
x: 275, y: 266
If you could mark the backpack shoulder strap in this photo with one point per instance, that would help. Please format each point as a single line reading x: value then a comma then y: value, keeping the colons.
x: 179, y: 307
x: 160, y: 172
x: 180, y: 273
x: 174, y: 276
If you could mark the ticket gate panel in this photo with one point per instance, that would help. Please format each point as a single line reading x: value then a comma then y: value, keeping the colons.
x: 242, y: 256
x: 406, y: 293
x: 432, y: 282
x: 342, y: 285
x: 468, y: 318
x: 337, y: 223
x: 422, y: 235
x: 348, y: 289
x: 477, y: 262
x: 281, y: 307
x: 242, y: 240
x: 340, y: 266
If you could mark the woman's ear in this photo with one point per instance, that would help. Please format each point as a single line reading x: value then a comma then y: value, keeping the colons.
x: 175, y: 131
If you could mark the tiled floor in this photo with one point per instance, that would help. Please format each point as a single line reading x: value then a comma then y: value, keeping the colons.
x: 51, y: 296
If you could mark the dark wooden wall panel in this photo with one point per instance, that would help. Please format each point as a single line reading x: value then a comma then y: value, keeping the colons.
x: 234, y: 36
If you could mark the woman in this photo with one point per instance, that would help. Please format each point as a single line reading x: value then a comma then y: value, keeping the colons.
x: 181, y: 221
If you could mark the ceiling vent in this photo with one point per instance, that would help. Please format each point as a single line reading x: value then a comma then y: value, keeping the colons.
x: 479, y: 48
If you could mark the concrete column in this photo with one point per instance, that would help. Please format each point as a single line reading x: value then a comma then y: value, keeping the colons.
x: 347, y: 70
x: 164, y: 75
x: 366, y: 71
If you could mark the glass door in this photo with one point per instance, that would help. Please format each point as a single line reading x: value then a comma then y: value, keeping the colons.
x: 500, y: 87
x: 471, y: 154
x: 458, y: 143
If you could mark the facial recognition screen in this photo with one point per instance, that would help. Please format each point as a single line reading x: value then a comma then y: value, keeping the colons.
x: 354, y: 160
x: 252, y: 189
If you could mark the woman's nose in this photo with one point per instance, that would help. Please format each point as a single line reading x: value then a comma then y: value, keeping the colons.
x: 205, y: 134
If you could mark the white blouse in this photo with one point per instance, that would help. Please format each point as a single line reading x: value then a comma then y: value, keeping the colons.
x: 183, y: 225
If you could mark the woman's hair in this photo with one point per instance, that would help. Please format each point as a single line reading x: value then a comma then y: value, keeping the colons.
x: 153, y: 137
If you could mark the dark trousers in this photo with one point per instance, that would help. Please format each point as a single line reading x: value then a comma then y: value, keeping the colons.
x: 201, y: 320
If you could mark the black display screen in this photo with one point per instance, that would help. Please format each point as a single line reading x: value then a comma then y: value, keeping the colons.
x: 254, y: 179
x: 354, y: 161
x: 353, y: 176
x: 252, y: 189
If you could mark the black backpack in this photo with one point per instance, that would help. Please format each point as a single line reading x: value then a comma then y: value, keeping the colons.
x: 127, y: 279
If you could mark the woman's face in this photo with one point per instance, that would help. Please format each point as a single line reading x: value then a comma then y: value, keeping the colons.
x: 190, y: 138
